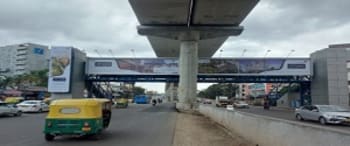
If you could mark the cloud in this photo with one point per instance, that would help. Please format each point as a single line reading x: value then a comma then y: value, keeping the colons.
x: 281, y: 19
x: 280, y: 25
x: 86, y: 24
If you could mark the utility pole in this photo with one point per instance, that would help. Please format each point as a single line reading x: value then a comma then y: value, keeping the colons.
x: 290, y: 53
x: 97, y: 53
x: 267, y: 52
x: 244, y: 50
x: 133, y: 53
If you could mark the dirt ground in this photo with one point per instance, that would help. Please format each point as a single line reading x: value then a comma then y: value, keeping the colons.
x: 197, y: 130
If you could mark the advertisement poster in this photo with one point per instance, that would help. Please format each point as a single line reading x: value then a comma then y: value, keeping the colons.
x: 170, y: 66
x: 60, y: 69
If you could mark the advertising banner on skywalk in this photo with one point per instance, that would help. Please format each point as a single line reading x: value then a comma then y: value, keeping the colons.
x: 60, y: 69
x: 206, y: 66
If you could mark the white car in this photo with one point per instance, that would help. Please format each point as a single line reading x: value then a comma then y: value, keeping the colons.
x: 241, y: 104
x: 230, y: 107
x: 33, y: 106
x: 9, y: 110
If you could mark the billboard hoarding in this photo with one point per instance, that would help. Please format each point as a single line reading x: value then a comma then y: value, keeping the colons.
x: 170, y: 66
x: 60, y: 69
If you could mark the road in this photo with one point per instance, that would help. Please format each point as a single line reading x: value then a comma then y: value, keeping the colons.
x: 285, y: 114
x: 138, y: 125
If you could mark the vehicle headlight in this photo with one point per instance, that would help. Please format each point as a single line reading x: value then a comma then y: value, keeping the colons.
x: 340, y: 117
x: 330, y: 116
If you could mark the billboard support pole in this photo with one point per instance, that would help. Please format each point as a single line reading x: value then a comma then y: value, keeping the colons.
x: 305, y: 89
x: 76, y: 83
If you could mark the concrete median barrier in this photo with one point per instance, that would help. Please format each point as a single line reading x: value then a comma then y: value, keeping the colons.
x: 267, y: 131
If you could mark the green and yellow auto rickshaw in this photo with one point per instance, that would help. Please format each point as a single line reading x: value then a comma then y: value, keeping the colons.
x: 78, y: 117
x: 121, y: 102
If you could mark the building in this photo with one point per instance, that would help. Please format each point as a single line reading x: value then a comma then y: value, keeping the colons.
x: 23, y: 58
x: 259, y: 89
x: 243, y: 91
x: 253, y: 89
x: 331, y: 67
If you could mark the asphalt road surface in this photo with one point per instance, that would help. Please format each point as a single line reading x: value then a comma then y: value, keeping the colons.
x: 138, y: 125
x: 287, y: 115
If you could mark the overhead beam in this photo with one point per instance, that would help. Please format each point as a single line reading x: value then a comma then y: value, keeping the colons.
x: 174, y: 32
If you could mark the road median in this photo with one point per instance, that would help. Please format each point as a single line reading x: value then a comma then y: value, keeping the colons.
x: 197, y: 130
x: 267, y: 131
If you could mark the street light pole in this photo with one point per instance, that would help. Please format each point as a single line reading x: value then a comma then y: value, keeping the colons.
x: 267, y: 52
x: 97, y: 53
x: 110, y: 51
x: 133, y: 52
x: 244, y: 50
x: 290, y: 53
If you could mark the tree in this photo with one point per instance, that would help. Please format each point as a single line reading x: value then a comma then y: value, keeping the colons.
x: 40, y: 77
x: 5, y: 82
x: 291, y: 88
x: 214, y: 90
x: 139, y: 90
x: 33, y: 78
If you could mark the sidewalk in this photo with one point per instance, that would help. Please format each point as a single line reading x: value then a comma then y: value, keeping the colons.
x: 197, y: 130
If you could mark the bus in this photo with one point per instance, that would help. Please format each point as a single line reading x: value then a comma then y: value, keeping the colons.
x: 141, y: 99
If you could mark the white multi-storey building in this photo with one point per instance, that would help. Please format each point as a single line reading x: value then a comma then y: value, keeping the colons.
x: 23, y: 58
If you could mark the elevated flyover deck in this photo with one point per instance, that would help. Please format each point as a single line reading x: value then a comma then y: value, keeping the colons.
x: 162, y: 21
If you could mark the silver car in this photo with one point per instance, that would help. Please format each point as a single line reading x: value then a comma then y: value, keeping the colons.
x: 9, y: 110
x: 325, y: 114
x: 240, y: 104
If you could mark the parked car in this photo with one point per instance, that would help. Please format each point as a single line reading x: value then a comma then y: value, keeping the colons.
x: 33, y: 106
x: 240, y: 104
x: 9, y: 110
x: 325, y: 114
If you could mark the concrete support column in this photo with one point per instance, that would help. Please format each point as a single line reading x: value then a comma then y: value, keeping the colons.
x: 171, y: 91
x: 188, y: 70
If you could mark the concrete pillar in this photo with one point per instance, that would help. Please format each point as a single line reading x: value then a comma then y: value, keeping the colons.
x: 167, y: 92
x: 188, y: 70
x: 171, y: 91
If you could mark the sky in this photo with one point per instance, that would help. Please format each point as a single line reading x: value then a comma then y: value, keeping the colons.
x: 109, y: 26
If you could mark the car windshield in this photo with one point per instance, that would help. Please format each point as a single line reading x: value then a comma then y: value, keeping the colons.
x: 241, y: 102
x: 332, y: 108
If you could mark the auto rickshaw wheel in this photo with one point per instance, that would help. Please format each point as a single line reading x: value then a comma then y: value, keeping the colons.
x: 106, y: 118
x: 49, y: 137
